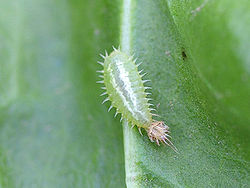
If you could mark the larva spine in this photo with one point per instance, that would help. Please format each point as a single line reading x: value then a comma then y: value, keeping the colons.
x: 124, y: 87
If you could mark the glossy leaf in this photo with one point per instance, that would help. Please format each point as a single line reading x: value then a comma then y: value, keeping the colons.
x: 199, y: 70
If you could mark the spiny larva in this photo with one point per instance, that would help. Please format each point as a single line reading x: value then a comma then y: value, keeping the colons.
x: 124, y: 87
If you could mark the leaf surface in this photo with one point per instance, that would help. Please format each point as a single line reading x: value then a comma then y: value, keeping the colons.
x: 199, y: 68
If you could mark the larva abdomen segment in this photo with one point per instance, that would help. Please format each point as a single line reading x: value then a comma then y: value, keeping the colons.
x: 125, y: 89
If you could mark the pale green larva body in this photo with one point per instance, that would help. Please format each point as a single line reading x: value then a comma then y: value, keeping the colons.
x: 125, y: 89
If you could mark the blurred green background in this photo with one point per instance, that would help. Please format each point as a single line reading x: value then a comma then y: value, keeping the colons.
x: 53, y: 128
x: 54, y: 132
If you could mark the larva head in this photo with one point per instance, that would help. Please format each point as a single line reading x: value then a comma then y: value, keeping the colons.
x: 116, y: 56
x: 159, y: 132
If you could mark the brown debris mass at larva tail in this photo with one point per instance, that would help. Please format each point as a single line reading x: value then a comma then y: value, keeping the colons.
x: 159, y: 132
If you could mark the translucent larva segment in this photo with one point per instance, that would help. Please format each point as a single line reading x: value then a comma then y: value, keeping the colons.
x: 125, y: 89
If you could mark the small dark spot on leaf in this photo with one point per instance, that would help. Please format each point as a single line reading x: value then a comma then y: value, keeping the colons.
x: 183, y: 54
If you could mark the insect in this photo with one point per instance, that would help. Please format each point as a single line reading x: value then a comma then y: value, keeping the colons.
x: 124, y: 87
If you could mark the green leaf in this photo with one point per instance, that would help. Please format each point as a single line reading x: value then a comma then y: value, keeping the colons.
x: 199, y: 67
x: 54, y: 132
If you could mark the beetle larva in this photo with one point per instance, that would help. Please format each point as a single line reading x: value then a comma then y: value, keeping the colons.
x: 125, y: 89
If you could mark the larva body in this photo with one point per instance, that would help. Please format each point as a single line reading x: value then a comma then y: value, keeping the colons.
x: 125, y: 89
